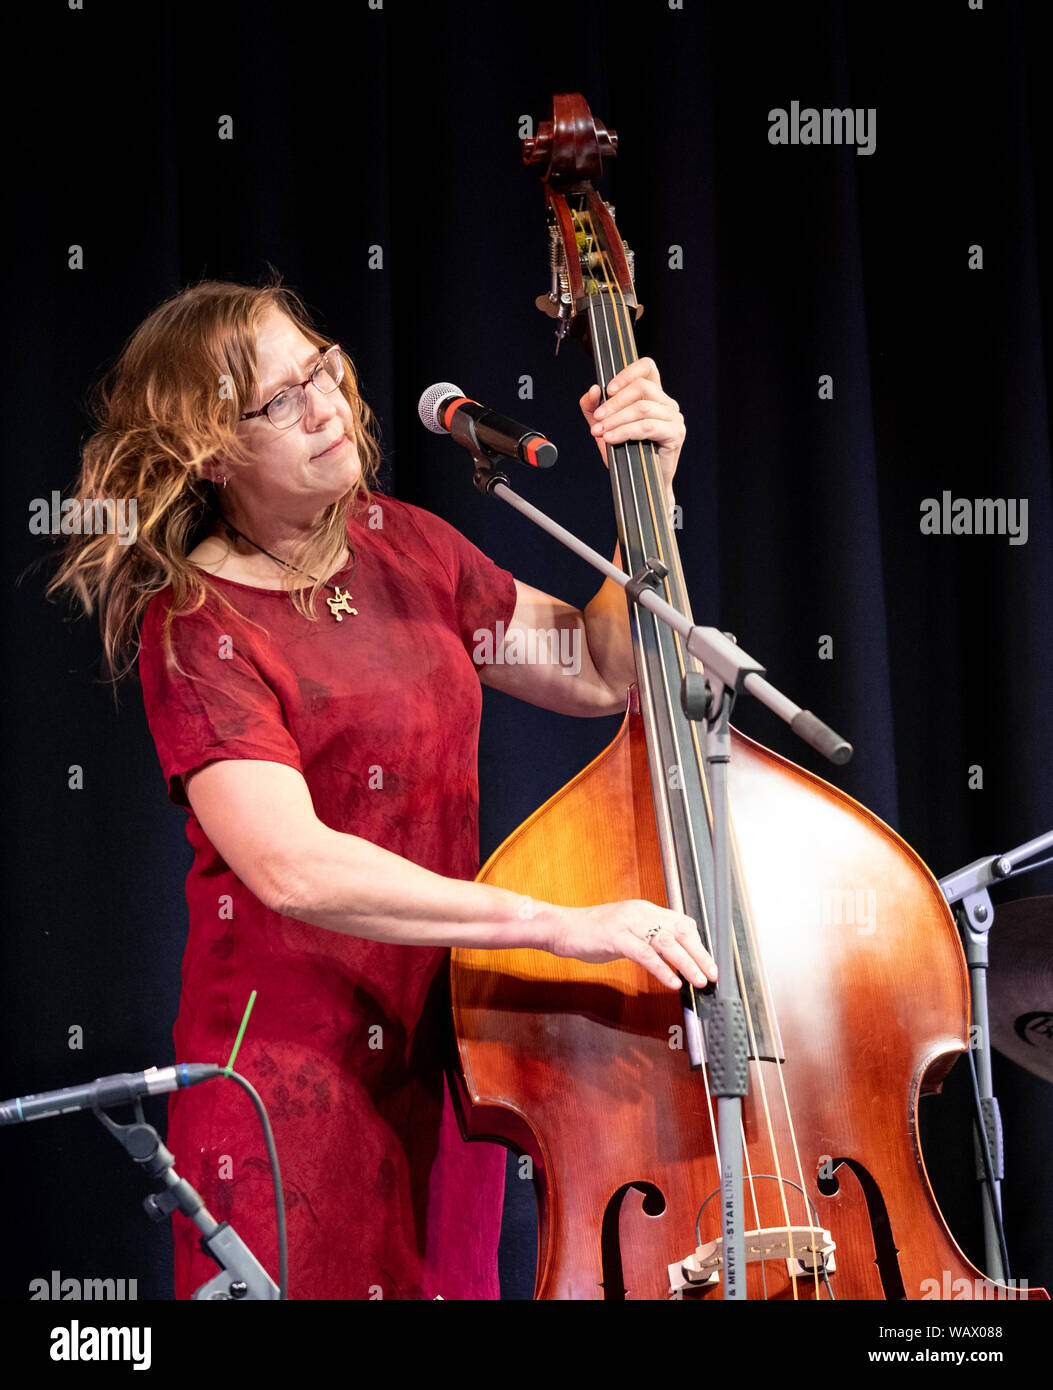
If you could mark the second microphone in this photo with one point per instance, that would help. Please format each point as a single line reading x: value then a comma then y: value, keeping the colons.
x: 441, y: 405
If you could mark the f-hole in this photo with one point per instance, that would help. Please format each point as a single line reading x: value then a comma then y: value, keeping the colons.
x: 886, y: 1251
x: 610, y: 1246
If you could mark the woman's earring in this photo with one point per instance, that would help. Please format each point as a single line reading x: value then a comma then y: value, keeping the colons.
x: 223, y: 481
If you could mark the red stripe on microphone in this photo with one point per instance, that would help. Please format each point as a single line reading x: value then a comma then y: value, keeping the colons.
x: 454, y: 404
x: 532, y: 447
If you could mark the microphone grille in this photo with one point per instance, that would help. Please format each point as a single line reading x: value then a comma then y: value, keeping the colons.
x: 428, y: 407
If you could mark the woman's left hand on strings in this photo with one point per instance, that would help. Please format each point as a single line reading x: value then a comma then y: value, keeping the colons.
x: 637, y: 408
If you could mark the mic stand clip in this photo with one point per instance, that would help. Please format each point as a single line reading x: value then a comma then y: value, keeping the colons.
x: 241, y: 1274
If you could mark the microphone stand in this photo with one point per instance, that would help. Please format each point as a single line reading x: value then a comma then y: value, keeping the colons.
x: 710, y: 698
x: 241, y: 1274
x: 966, y: 892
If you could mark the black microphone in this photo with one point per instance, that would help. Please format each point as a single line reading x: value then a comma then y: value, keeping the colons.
x: 121, y: 1089
x: 443, y: 408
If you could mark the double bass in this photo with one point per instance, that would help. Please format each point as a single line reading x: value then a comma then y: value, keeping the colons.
x: 583, y: 1068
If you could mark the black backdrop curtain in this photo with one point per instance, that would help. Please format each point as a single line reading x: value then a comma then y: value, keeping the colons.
x: 357, y: 126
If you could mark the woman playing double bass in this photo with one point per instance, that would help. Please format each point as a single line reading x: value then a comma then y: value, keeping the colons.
x: 305, y: 650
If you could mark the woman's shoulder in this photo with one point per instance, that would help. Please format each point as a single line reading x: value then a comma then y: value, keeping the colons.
x: 410, y: 529
x: 379, y: 511
x: 208, y: 554
x: 189, y: 618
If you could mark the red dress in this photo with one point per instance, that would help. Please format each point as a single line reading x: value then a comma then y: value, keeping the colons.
x: 347, y: 1039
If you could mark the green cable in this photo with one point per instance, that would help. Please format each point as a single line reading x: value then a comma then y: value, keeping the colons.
x: 241, y: 1033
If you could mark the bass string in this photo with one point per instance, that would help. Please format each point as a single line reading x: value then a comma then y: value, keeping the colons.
x: 602, y: 338
x: 630, y: 485
x: 607, y: 368
x: 669, y: 554
x: 762, y: 1088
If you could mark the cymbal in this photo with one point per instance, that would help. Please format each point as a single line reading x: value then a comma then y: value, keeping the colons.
x: 1020, y: 983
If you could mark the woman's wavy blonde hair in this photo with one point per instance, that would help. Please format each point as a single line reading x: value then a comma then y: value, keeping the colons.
x: 168, y: 406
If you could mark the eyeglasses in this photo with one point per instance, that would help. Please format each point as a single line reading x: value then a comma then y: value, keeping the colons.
x: 288, y: 405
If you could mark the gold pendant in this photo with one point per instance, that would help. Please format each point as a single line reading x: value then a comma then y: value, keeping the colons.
x: 340, y: 604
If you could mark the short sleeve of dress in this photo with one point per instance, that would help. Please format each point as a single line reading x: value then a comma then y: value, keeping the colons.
x: 218, y: 705
x: 484, y: 594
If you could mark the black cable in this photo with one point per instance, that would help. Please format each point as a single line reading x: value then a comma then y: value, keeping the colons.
x: 279, y: 1199
x: 985, y: 1149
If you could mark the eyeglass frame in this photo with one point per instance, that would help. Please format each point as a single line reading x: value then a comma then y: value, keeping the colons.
x: 307, y: 381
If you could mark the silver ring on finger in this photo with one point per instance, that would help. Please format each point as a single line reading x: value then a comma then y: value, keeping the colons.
x: 650, y: 934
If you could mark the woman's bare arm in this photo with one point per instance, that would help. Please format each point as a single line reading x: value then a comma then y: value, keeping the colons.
x: 261, y: 820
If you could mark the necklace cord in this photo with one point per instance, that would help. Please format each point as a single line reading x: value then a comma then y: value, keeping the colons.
x: 231, y: 528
